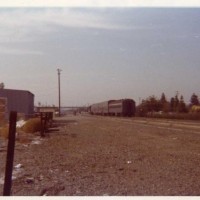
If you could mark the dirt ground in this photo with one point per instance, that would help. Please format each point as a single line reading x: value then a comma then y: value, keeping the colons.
x: 107, y: 156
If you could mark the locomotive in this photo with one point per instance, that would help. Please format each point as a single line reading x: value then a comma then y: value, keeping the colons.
x: 122, y: 107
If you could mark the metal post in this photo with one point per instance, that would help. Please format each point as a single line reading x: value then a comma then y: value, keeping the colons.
x: 59, y: 70
x: 42, y: 119
x: 10, y: 154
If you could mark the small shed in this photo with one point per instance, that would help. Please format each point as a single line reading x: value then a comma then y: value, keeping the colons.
x: 47, y: 109
x: 21, y: 101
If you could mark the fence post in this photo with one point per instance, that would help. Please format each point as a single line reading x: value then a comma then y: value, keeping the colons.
x: 10, y: 154
x: 42, y: 118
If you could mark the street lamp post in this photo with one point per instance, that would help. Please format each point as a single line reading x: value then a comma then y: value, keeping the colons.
x: 59, y: 70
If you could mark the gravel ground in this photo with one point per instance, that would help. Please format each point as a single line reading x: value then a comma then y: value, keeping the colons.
x: 103, y: 156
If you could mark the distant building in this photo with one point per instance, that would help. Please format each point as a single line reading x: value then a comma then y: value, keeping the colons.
x: 46, y: 109
x: 21, y: 101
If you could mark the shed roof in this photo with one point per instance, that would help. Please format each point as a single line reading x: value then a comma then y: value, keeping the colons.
x: 15, y: 90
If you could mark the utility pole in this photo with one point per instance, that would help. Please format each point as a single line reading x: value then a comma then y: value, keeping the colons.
x: 59, y: 70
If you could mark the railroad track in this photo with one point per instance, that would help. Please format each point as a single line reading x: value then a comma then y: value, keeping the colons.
x: 192, y: 126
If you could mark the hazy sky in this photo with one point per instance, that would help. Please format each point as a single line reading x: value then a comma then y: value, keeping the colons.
x: 104, y: 53
x: 101, y: 3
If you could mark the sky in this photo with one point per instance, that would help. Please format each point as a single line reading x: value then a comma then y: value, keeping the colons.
x: 104, y: 52
x: 101, y: 3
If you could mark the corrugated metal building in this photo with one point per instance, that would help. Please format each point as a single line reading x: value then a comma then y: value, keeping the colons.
x: 21, y: 101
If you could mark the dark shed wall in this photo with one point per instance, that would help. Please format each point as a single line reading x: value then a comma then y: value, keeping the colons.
x: 19, y: 100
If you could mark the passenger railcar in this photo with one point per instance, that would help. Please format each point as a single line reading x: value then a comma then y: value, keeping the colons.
x: 100, y: 108
x: 122, y: 107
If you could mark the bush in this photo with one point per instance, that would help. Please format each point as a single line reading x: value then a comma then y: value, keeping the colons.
x: 32, y: 126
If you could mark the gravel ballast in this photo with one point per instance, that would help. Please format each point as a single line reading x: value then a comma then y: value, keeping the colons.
x: 106, y: 156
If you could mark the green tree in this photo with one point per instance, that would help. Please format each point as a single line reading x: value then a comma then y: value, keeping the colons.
x: 151, y: 104
x: 2, y: 86
x: 156, y: 106
x: 163, y: 99
x: 194, y: 100
x: 142, y: 109
x: 182, y: 105
x: 176, y: 102
x: 165, y: 107
x: 172, y: 104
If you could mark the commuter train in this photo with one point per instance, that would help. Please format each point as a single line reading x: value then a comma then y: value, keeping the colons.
x: 122, y: 107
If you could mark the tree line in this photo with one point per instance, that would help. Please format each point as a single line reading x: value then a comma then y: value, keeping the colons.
x: 176, y: 104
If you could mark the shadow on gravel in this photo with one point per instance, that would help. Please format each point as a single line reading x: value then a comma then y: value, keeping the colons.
x: 64, y: 121
x: 57, y: 123
x: 53, y: 130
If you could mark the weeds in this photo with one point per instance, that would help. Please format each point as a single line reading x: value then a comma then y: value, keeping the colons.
x: 32, y: 126
x: 4, y: 130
